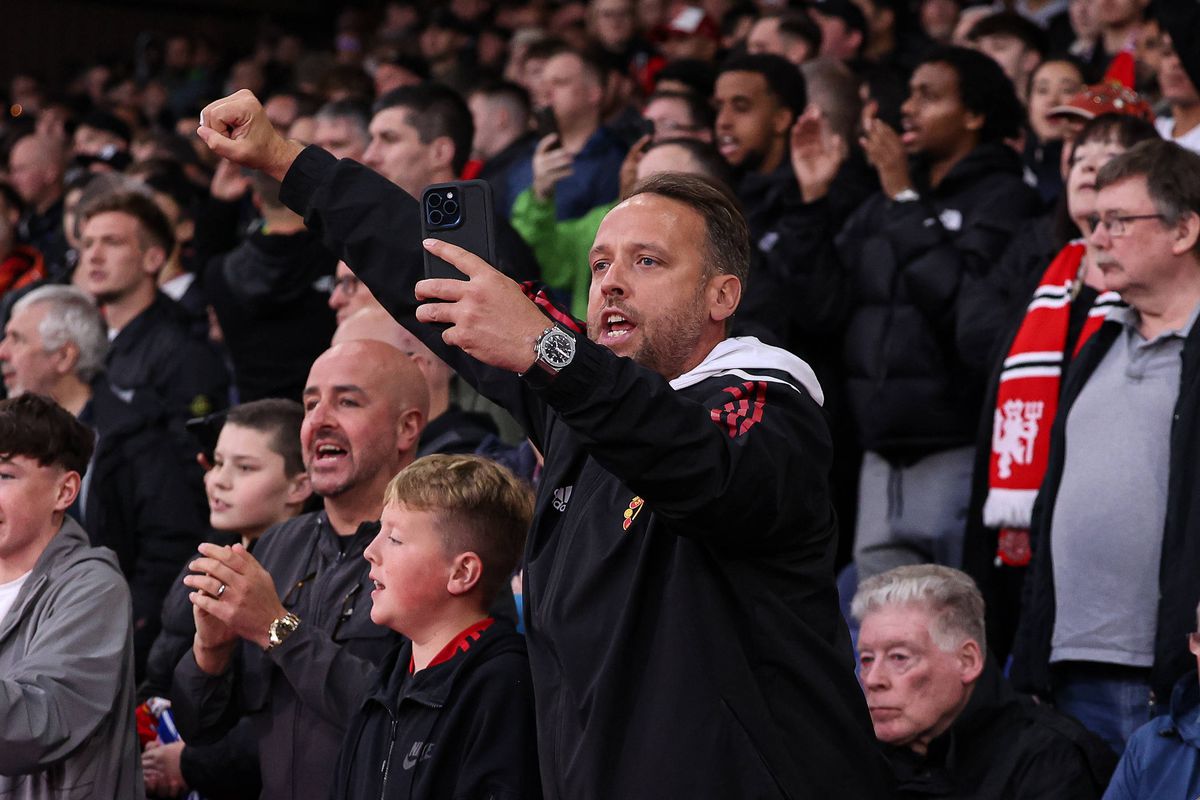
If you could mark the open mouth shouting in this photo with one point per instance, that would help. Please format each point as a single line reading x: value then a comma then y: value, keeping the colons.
x: 616, y: 326
x: 329, y: 453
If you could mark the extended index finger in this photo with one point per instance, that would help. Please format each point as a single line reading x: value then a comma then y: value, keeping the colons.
x: 467, y: 262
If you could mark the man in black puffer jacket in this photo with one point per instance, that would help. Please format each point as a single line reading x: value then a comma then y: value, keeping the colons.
x: 899, y: 262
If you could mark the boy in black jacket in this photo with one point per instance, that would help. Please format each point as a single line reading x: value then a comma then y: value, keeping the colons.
x: 451, y: 711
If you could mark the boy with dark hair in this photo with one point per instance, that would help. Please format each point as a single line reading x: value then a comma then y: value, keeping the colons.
x: 451, y: 711
x: 257, y: 480
x: 66, y: 671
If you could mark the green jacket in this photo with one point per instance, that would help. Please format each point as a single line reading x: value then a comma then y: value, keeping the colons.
x: 561, y: 248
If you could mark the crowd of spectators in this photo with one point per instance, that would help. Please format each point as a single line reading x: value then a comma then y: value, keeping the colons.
x: 973, y: 237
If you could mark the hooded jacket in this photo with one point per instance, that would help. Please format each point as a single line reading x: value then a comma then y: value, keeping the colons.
x: 66, y: 679
x: 683, y: 630
x: 1162, y: 758
x: 142, y: 500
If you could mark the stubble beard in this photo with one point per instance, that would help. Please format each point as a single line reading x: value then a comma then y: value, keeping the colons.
x: 669, y: 340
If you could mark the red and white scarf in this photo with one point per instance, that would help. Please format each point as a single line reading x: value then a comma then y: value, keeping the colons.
x: 1027, y: 401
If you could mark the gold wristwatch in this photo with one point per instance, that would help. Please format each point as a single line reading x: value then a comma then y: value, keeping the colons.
x: 281, y: 629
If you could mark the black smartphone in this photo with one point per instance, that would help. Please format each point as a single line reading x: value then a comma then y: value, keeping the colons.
x: 546, y: 124
x: 205, y: 430
x: 461, y: 213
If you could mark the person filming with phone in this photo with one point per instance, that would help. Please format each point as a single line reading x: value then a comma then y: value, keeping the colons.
x: 683, y: 631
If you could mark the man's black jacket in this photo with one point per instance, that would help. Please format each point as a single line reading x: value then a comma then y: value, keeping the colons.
x: 274, y: 318
x: 911, y: 390
x: 1178, y: 588
x: 682, y: 619
x: 460, y: 728
x: 455, y: 431
x: 1003, y: 746
x: 300, y: 695
x: 156, y: 352
x: 142, y: 500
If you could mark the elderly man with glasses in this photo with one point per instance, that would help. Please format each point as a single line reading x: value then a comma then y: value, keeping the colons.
x: 1116, y: 533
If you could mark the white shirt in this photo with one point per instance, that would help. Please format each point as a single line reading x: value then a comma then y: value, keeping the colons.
x: 1166, y: 129
x: 9, y: 592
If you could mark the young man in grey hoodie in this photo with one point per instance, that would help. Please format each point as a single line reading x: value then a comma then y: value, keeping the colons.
x: 66, y: 635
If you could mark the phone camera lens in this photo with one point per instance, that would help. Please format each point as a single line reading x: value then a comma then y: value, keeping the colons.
x: 435, y: 201
x: 435, y: 217
x: 450, y: 207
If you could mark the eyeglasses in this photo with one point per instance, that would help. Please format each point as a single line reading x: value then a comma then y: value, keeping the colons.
x: 1118, y: 225
x: 347, y: 283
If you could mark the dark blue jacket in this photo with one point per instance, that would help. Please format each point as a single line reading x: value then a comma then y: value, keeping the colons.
x: 594, y: 178
x: 1162, y: 758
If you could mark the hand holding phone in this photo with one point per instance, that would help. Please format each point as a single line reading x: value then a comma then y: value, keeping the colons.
x: 546, y: 124
x: 459, y: 212
x: 551, y: 163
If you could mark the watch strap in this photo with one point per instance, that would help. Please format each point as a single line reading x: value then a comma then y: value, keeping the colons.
x: 281, y: 628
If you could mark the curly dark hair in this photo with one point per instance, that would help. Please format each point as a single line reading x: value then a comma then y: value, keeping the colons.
x: 984, y: 89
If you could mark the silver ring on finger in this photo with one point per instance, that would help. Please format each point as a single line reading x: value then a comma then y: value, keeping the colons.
x: 221, y: 590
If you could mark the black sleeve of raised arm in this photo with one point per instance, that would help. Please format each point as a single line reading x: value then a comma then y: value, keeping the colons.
x: 374, y: 226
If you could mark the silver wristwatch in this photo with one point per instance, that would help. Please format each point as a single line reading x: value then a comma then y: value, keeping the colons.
x: 555, y: 349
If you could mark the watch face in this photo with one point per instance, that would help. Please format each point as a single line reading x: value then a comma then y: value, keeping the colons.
x: 557, y: 349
